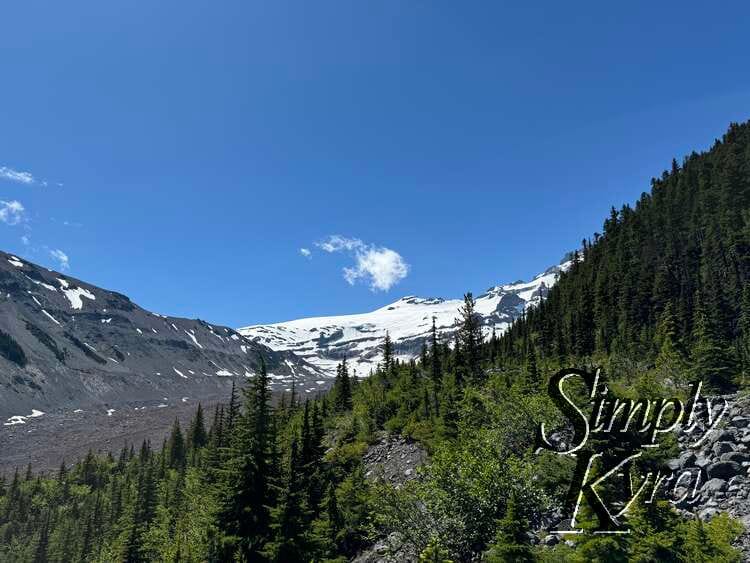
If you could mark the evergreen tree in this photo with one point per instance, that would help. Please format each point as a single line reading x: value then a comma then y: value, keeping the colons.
x: 387, y: 354
x: 176, y: 446
x: 511, y: 543
x: 288, y: 518
x: 710, y: 357
x: 245, y: 489
x: 470, y: 338
x: 342, y: 388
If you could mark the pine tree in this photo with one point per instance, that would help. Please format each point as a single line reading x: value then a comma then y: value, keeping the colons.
x: 387, y: 354
x: 342, y: 388
x: 711, y: 360
x: 436, y: 370
x: 197, y: 435
x: 233, y: 410
x: 245, y: 491
x: 42, y: 545
x: 288, y: 518
x: 744, y: 333
x: 669, y: 362
x: 176, y: 447
x: 532, y: 376
x: 511, y: 542
x: 470, y: 338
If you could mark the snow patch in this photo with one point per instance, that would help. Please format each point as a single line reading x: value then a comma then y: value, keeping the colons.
x: 75, y: 295
x: 44, y: 285
x: 193, y: 338
x: 54, y: 320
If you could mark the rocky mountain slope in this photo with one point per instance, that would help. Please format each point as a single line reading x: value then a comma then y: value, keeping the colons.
x: 324, y: 341
x: 66, y: 344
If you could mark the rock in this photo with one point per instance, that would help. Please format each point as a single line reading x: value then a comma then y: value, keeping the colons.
x: 687, y: 459
x: 723, y: 469
x: 725, y: 436
x: 714, y: 485
x: 702, y: 461
x: 722, y: 448
x: 393, y: 459
x: 550, y: 540
x: 737, y: 457
x: 739, y: 422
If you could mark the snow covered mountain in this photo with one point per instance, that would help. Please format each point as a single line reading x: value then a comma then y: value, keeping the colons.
x: 66, y: 344
x: 324, y: 341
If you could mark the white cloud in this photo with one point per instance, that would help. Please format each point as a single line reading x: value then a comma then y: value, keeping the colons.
x: 16, y: 175
x: 381, y: 267
x: 61, y: 258
x: 305, y: 252
x: 25, y: 240
x: 336, y: 243
x: 11, y: 212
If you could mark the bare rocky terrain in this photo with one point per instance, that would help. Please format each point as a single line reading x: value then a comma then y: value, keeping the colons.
x: 46, y: 440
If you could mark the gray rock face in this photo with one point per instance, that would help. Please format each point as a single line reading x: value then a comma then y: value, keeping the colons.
x: 86, y: 346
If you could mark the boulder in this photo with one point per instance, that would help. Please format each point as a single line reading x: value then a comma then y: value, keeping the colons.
x: 723, y: 469
x: 714, y: 485
x: 686, y: 459
x: 723, y: 448
x: 737, y: 457
x: 702, y: 461
x: 739, y: 422
x: 725, y: 436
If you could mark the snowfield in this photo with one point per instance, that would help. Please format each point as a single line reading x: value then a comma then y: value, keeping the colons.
x: 324, y: 341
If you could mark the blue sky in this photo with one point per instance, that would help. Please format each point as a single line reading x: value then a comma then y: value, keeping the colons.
x: 183, y: 152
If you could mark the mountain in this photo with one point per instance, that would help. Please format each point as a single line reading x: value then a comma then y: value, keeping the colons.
x: 65, y: 343
x: 325, y: 341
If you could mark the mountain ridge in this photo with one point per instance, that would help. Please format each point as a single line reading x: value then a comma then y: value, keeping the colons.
x: 324, y: 341
x: 65, y: 343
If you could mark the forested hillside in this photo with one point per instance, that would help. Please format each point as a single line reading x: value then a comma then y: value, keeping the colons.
x: 657, y: 299
x: 667, y: 279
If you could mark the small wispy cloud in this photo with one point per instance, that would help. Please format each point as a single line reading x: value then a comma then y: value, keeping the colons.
x: 305, y: 252
x: 20, y: 176
x: 380, y: 267
x: 11, y: 212
x: 61, y: 258
x: 25, y: 240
